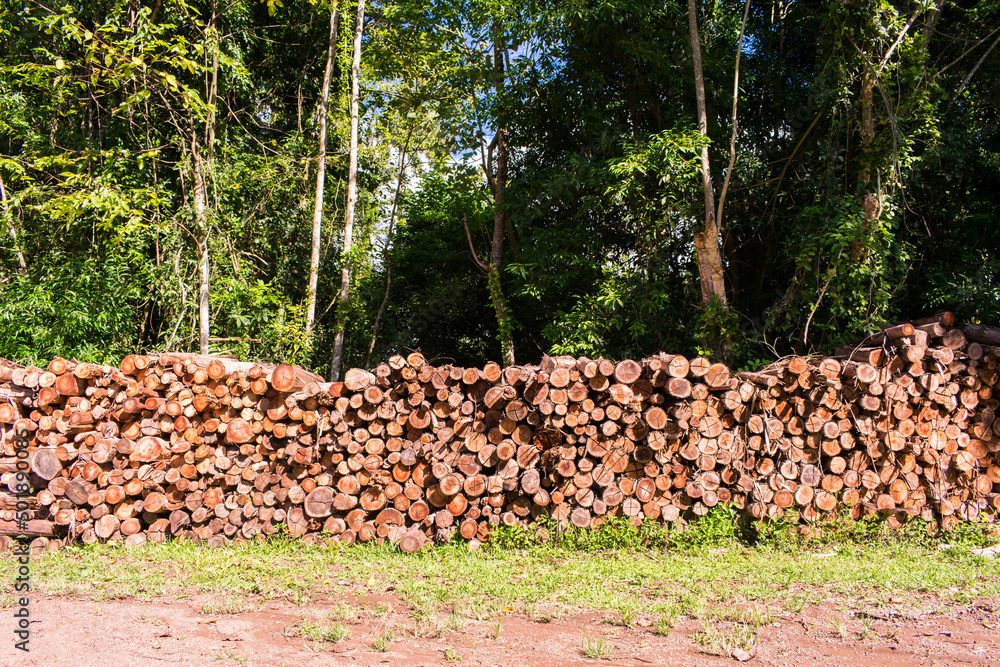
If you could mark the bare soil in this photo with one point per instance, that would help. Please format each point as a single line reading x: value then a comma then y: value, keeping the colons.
x: 85, y: 633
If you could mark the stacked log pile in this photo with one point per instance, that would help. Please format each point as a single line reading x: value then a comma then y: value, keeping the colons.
x: 901, y: 423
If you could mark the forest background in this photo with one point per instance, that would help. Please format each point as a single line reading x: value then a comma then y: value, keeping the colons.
x: 329, y: 183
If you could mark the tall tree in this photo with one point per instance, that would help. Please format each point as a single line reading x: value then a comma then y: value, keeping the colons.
x: 317, y: 220
x: 707, y: 242
x: 202, y: 168
x: 352, y: 199
x: 495, y: 164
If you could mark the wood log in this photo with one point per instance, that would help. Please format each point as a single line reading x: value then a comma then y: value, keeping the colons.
x: 449, y: 449
x: 981, y: 333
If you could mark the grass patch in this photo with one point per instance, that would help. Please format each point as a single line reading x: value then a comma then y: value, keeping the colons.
x: 227, y: 606
x: 708, y: 571
x: 323, y: 631
x: 341, y: 611
x: 627, y: 609
x: 595, y: 649
x: 664, y: 625
x: 728, y: 641
x: 383, y: 640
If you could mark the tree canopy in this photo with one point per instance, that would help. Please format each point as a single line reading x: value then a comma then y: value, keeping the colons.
x: 529, y: 175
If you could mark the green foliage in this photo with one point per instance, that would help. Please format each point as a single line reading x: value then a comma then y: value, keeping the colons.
x: 848, y: 272
x: 780, y: 532
x: 272, y: 328
x: 719, y: 528
x: 70, y: 306
x: 613, y: 533
x: 718, y: 333
x: 726, y: 527
x: 102, y: 103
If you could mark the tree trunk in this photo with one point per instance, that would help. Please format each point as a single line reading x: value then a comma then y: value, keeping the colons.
x: 10, y: 228
x: 933, y: 14
x: 499, y: 213
x: 317, y: 227
x: 867, y: 125
x: 352, y: 199
x: 707, y: 242
x: 871, y: 205
x: 201, y: 219
x: 202, y: 167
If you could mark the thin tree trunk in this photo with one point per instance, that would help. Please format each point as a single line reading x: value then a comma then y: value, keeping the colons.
x: 202, y: 168
x: 317, y: 226
x: 388, y: 239
x: 972, y: 72
x: 870, y: 205
x: 499, y: 213
x: 10, y: 228
x: 352, y: 199
x: 736, y: 97
x: 899, y: 39
x: 867, y: 125
x: 199, y: 199
x: 707, y: 242
x: 933, y: 14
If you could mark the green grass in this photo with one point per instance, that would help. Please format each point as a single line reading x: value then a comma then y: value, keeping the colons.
x: 229, y: 655
x: 227, y: 605
x: 383, y: 640
x: 322, y: 631
x: 727, y: 641
x: 714, y: 574
x: 595, y: 649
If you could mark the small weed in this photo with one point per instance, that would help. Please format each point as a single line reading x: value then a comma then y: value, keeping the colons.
x: 381, y: 610
x: 552, y: 612
x: 228, y: 606
x: 711, y: 640
x: 455, y: 622
x: 756, y: 617
x: 595, y: 648
x: 499, y: 628
x: 797, y: 603
x: 720, y: 527
x: 298, y: 597
x: 383, y: 640
x: 450, y: 655
x: 841, y: 627
x: 425, y: 612
x: 626, y: 612
x: 341, y: 611
x: 229, y: 655
x: 324, y: 632
x: 866, y: 626
x: 475, y: 609
x: 664, y: 625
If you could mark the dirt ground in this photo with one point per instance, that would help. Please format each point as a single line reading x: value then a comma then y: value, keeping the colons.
x: 84, y: 633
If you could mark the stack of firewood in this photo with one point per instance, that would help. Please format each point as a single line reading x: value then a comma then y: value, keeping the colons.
x: 901, y: 423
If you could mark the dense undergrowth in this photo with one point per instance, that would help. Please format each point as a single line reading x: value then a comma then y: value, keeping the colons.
x: 724, y: 526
